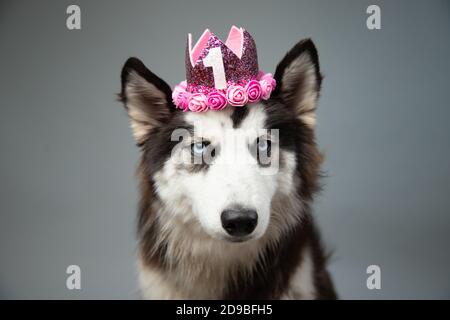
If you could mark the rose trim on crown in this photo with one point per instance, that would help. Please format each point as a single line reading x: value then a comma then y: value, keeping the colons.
x: 234, y: 95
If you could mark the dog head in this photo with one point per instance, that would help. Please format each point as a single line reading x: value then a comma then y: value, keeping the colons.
x: 230, y: 174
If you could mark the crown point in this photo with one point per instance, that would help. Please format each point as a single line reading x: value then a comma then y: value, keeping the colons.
x: 235, y: 40
x: 194, y: 52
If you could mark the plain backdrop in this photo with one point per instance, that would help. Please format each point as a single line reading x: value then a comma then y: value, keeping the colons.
x: 68, y: 192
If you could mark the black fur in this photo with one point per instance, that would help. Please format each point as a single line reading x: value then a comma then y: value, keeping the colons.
x: 239, y: 115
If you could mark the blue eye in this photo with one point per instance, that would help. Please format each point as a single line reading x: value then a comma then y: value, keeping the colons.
x: 263, y: 145
x: 198, y: 148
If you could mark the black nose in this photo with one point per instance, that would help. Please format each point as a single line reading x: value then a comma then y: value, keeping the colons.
x: 239, y: 222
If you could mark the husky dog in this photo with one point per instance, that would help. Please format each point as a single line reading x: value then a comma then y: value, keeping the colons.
x: 226, y: 230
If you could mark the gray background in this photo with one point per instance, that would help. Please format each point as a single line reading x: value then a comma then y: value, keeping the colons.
x: 68, y: 191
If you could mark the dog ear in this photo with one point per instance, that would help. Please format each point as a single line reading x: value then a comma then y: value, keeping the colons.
x: 298, y: 80
x: 146, y: 97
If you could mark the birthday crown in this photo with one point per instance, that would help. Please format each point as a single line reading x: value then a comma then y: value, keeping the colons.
x: 222, y: 74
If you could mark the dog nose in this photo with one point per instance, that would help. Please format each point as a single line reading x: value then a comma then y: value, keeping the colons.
x: 239, y: 222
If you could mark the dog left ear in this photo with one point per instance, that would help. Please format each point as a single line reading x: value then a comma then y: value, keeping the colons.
x: 146, y: 97
x: 298, y: 80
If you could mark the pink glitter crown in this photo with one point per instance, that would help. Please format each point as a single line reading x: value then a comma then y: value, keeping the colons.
x: 222, y: 74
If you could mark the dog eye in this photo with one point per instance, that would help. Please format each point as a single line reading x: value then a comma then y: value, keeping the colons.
x: 263, y: 145
x: 199, y: 148
x: 261, y: 150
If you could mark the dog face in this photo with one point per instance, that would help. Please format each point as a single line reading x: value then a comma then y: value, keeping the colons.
x: 228, y: 174
x: 219, y: 167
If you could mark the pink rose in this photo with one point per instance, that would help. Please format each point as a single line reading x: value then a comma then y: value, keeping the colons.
x: 254, y: 91
x: 180, y: 97
x: 269, y: 78
x: 217, y: 100
x: 198, y: 102
x: 267, y: 83
x: 236, y: 95
x: 266, y: 89
x: 179, y: 88
x: 182, y: 100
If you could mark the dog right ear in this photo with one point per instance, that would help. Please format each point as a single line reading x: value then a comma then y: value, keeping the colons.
x: 299, y: 79
x: 146, y: 97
